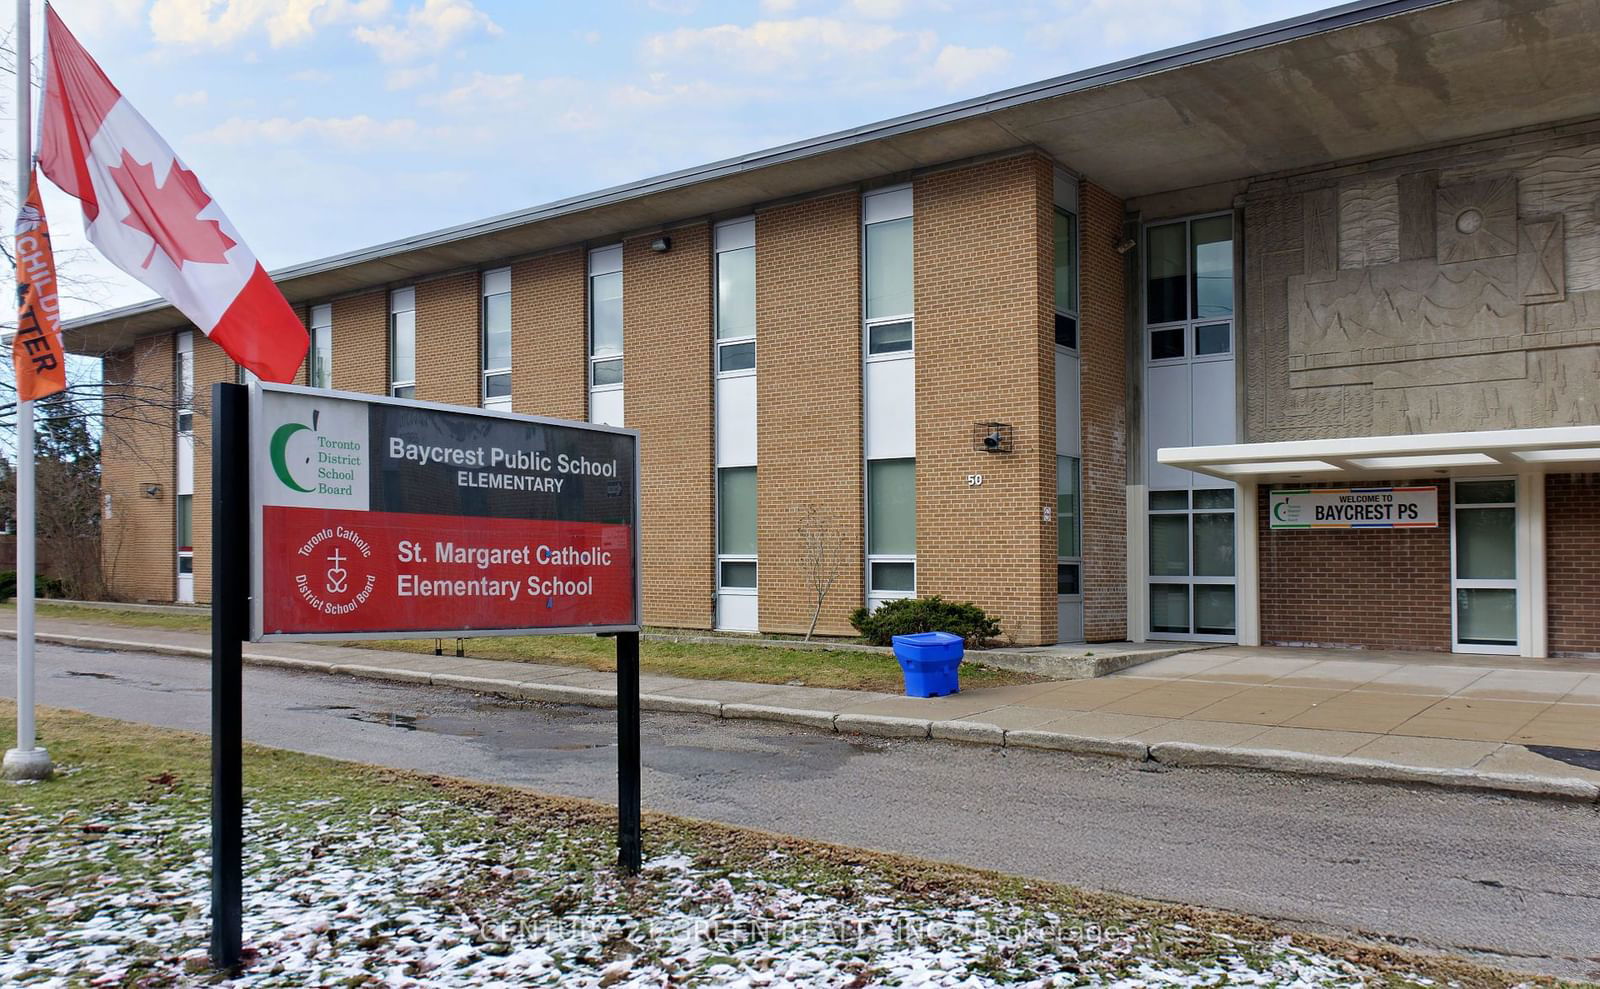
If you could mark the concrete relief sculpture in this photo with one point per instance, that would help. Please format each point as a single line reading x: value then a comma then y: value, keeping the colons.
x: 1425, y: 303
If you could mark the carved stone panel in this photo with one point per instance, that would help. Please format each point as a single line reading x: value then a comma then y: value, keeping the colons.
x: 1321, y: 210
x: 1567, y: 181
x: 1541, y: 261
x: 1417, y: 225
x: 1476, y: 220
x: 1369, y: 223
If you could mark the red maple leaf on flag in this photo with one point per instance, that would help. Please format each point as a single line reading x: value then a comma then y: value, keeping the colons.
x: 168, y: 213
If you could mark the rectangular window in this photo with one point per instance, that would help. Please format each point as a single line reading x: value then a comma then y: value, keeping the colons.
x: 736, y: 528
x: 1069, y: 526
x: 185, y: 523
x: 1191, y: 562
x: 1066, y: 281
x: 185, y: 346
x: 1189, y: 288
x: 735, y: 315
x: 319, y: 369
x: 892, y: 525
x: 497, y: 338
x: 605, y: 317
x: 888, y: 264
x: 1485, y: 554
x: 403, y: 343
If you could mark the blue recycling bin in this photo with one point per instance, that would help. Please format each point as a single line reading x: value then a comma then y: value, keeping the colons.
x: 930, y: 662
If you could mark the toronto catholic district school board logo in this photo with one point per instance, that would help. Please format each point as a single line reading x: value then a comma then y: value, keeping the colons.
x: 320, y: 459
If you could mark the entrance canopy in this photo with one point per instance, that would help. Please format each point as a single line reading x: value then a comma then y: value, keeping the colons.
x: 1546, y: 450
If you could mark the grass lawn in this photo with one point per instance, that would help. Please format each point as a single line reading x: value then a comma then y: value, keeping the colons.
x: 751, y: 663
x: 361, y: 876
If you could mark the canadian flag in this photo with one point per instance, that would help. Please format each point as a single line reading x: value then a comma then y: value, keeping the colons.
x: 152, y: 218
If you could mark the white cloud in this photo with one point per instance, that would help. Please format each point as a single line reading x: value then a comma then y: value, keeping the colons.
x: 781, y: 45
x: 353, y: 133
x: 778, y: 6
x: 410, y: 78
x: 958, y: 66
x: 195, y: 97
x: 432, y: 27
x: 222, y: 22
x: 312, y: 75
x: 882, y: 10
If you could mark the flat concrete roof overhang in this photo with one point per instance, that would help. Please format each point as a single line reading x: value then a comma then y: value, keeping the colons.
x: 1362, y: 80
x: 1547, y: 450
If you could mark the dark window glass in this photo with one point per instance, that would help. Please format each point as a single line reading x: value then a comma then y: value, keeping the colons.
x: 1166, y: 344
x: 1212, y: 338
x: 1067, y: 331
x: 1067, y: 578
x: 736, y: 356
x: 1166, y: 281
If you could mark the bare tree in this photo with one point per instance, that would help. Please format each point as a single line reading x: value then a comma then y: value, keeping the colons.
x: 821, y: 556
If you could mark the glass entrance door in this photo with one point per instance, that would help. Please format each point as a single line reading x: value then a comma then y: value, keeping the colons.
x: 1484, y: 565
x: 1192, y: 564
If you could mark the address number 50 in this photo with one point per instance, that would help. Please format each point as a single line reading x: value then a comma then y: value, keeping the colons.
x: 974, y: 480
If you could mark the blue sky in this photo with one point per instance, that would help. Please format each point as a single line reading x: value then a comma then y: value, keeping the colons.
x: 326, y: 125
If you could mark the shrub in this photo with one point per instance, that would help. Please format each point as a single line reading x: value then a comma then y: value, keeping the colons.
x: 8, y: 584
x: 933, y: 614
x: 43, y: 586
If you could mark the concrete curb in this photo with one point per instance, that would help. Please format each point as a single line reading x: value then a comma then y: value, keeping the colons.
x: 883, y: 726
x: 1347, y: 767
x: 1177, y: 754
x: 1080, y: 744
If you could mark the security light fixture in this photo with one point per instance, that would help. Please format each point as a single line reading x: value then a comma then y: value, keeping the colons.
x: 1126, y: 244
x: 152, y: 490
x: 991, y: 437
x: 661, y: 245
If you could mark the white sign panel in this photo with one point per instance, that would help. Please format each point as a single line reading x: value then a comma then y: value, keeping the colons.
x: 1355, y: 508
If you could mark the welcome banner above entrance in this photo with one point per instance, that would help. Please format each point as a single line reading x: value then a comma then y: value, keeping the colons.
x: 1354, y: 508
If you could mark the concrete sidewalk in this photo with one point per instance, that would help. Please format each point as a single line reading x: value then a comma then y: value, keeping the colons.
x: 1446, y: 720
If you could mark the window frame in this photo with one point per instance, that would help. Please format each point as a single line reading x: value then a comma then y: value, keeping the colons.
x: 486, y: 372
x: 724, y: 557
x: 1191, y: 323
x: 320, y: 329
x: 1077, y: 262
x: 1077, y: 521
x: 880, y: 206
x: 737, y: 232
x: 872, y: 558
x: 183, y: 420
x: 1513, y: 584
x: 603, y: 256
x: 396, y: 384
x: 1190, y: 580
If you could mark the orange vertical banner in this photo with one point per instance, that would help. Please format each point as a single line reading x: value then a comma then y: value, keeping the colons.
x: 36, y: 351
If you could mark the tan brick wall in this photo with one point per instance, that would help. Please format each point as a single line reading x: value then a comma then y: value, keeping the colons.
x: 139, y: 541
x: 361, y: 343
x: 985, y: 353
x: 666, y: 327
x: 808, y: 394
x: 1363, y: 588
x: 550, y: 336
x: 1103, y: 377
x: 1572, y: 563
x: 449, y: 367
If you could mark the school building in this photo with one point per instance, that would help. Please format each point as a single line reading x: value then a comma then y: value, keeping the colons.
x: 1289, y: 336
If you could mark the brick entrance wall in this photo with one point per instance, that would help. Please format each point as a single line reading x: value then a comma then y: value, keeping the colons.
x: 1357, y: 588
x: 138, y: 547
x: 1572, y: 563
x: 1103, y: 380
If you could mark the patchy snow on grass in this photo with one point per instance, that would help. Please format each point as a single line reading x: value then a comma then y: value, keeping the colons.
x: 437, y: 894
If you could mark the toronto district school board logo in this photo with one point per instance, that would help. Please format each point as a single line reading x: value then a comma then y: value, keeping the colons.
x: 337, y: 460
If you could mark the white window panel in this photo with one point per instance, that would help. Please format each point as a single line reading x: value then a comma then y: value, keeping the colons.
x: 735, y: 235
x: 886, y: 204
x: 605, y: 260
x: 1069, y: 434
x: 891, y: 409
x: 319, y: 373
x: 605, y: 407
x: 736, y: 421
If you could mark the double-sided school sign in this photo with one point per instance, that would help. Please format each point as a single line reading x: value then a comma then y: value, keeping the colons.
x: 343, y: 516
x: 385, y: 518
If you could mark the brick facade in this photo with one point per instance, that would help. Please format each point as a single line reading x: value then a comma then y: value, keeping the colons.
x: 550, y: 335
x: 449, y: 331
x: 809, y: 412
x: 1357, y: 588
x: 1103, y: 383
x: 361, y: 343
x: 138, y: 539
x: 986, y: 353
x: 666, y: 328
x: 1572, y: 563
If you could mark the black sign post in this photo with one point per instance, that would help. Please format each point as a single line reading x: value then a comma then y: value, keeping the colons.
x: 230, y: 624
x: 630, y: 842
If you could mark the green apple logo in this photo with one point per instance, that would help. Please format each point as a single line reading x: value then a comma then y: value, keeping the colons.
x: 1277, y: 510
x: 279, y: 447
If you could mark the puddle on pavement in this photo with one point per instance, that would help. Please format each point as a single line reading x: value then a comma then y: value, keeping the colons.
x: 92, y: 676
x: 389, y: 719
x: 1582, y: 758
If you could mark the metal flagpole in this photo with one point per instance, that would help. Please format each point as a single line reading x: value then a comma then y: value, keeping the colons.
x: 27, y: 760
